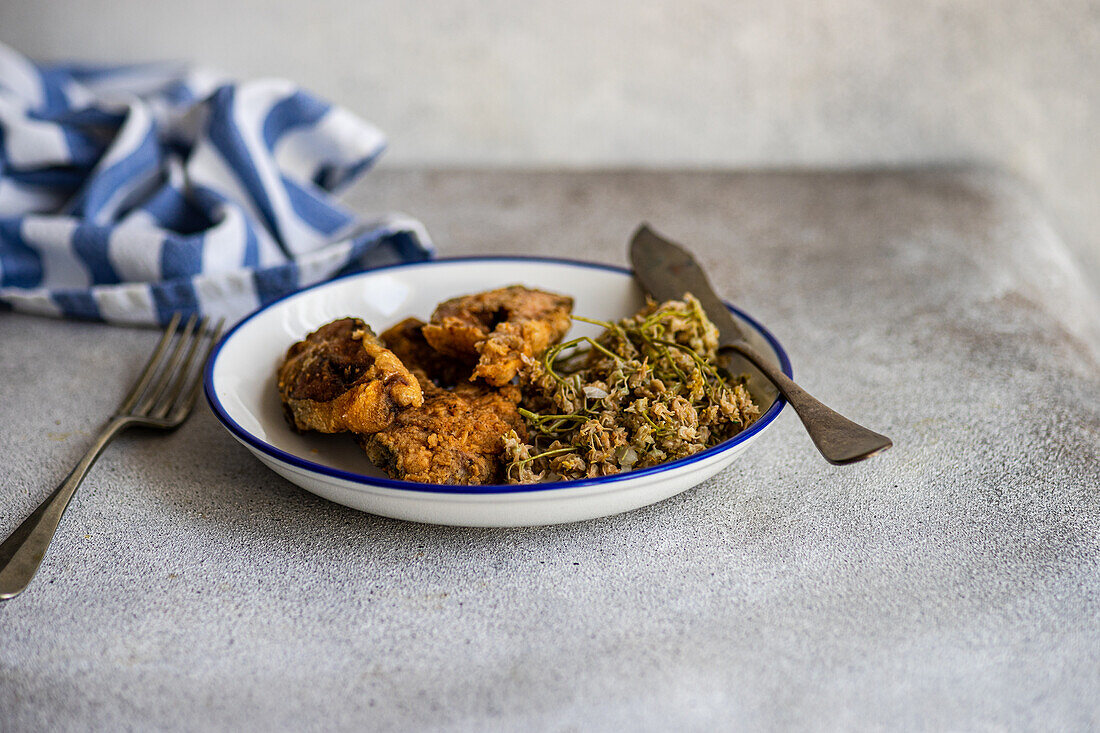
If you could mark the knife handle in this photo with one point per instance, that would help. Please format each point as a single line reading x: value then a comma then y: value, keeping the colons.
x: 840, y: 440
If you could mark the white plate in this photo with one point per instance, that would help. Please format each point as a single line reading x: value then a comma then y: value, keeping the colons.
x: 240, y: 386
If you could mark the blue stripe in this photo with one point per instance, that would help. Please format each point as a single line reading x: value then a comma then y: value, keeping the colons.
x: 20, y: 265
x: 85, y: 147
x: 53, y: 94
x: 93, y: 117
x: 356, y: 259
x: 181, y: 256
x: 105, y: 184
x: 251, y: 246
x: 357, y: 264
x: 334, y: 177
x: 319, y: 216
x: 91, y: 244
x: 403, y: 246
x: 69, y: 178
x: 297, y: 110
x: 77, y: 304
x: 409, y: 248
x: 171, y: 296
x: 228, y: 141
x: 275, y: 282
x: 178, y: 93
x: 173, y: 211
x: 82, y: 150
x: 375, y: 249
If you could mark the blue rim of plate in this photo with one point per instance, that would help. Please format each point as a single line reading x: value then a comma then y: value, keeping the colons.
x: 388, y: 483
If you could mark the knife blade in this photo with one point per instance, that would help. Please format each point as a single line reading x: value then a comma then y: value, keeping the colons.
x: 667, y: 271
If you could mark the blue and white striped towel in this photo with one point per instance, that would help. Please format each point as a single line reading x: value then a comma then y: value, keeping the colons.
x: 129, y: 193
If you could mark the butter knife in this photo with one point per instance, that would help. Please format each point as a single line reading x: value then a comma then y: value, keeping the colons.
x: 667, y: 271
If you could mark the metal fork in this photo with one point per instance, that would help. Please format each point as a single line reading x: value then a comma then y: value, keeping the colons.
x: 161, y: 399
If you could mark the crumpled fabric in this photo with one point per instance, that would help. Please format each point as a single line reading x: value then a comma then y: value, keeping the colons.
x: 130, y: 193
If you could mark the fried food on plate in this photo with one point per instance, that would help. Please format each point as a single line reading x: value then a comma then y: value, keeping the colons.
x: 455, y: 437
x: 407, y: 341
x: 341, y: 377
x: 499, y: 328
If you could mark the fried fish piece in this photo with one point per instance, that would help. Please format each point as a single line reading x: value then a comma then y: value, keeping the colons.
x: 499, y: 328
x: 341, y: 377
x: 455, y: 437
x: 406, y: 339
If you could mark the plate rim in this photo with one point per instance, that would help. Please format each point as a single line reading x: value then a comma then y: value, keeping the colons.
x: 256, y: 443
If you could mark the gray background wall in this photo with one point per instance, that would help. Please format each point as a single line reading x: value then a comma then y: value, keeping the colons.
x: 1011, y: 83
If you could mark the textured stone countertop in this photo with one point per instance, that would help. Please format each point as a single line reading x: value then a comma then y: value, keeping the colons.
x: 951, y: 583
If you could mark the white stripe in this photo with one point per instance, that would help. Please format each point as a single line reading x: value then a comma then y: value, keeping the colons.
x: 253, y: 103
x: 207, y: 168
x: 339, y: 138
x: 127, y: 140
x: 134, y: 252
x: 31, y: 143
x: 229, y: 295
x: 52, y: 238
x: 401, y: 222
x: 134, y: 128
x: 323, y: 263
x: 130, y: 303
x: 21, y: 76
x: 16, y: 200
x: 31, y: 301
x: 270, y: 252
x: 139, y: 219
x: 78, y: 95
x: 224, y: 244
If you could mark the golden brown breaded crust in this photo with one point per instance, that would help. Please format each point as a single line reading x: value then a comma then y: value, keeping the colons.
x: 499, y: 328
x: 406, y: 340
x: 341, y: 377
x: 455, y: 437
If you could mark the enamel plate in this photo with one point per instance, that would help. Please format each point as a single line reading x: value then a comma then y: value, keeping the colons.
x: 240, y: 387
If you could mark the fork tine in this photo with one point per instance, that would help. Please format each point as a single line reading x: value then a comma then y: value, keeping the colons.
x: 191, y: 392
x: 151, y: 367
x: 164, y: 376
x: 179, y: 379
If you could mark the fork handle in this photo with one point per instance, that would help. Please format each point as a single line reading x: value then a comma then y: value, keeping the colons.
x: 839, y: 440
x: 22, y: 552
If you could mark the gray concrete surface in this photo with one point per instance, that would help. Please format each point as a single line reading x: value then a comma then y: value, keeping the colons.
x: 952, y: 583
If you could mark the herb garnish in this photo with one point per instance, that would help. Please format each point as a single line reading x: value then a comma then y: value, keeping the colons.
x: 645, y: 391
